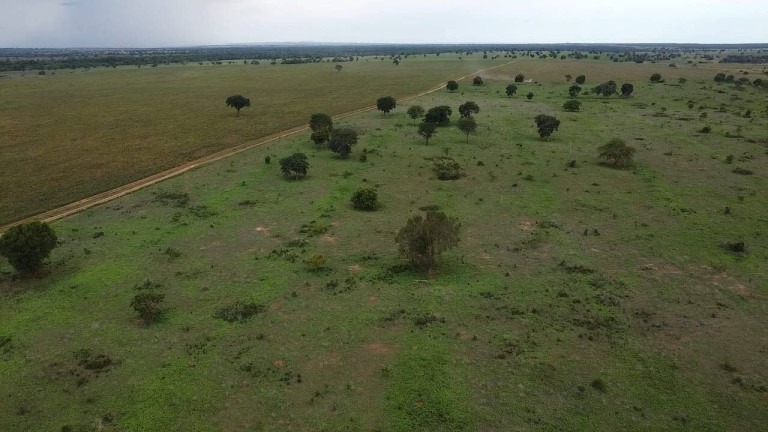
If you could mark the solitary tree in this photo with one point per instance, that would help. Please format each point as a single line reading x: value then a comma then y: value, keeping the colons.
x: 720, y: 77
x: 439, y: 114
x: 26, y: 246
x: 519, y: 78
x: 627, y: 89
x: 572, y: 105
x: 238, y: 102
x: 511, y: 90
x: 468, y: 108
x: 529, y: 95
x: 427, y: 130
x: 618, y: 152
x: 452, y: 86
x: 342, y: 141
x: 386, y: 104
x: 294, y: 165
x: 339, y: 67
x: 467, y: 125
x: 546, y: 125
x: 605, y: 89
x: 423, y: 239
x: 416, y: 112
x: 655, y: 78
x: 477, y: 81
x: 581, y: 79
x: 365, y: 198
x: 320, y: 122
x: 574, y: 91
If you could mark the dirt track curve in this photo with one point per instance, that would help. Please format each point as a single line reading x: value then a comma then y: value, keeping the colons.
x: 103, y: 197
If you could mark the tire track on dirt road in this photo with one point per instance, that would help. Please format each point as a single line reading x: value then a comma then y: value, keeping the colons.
x: 104, y: 197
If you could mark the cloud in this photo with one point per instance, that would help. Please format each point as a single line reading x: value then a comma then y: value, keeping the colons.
x: 194, y: 22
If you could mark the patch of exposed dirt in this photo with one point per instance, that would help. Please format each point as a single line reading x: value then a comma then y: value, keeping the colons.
x: 379, y: 348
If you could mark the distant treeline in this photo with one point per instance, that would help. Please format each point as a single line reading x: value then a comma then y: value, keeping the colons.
x: 21, y: 59
x: 745, y: 58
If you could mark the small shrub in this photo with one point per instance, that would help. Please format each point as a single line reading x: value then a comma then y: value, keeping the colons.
x: 448, y: 169
x: 315, y: 262
x: 572, y: 105
x: 365, y: 198
x: 737, y: 247
x: 148, y: 305
x: 706, y: 129
x: 239, y: 311
x: 742, y: 171
x: 598, y: 384
x: 267, y: 159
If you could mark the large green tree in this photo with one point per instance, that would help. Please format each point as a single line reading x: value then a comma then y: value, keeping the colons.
x: 424, y: 238
x: 295, y: 165
x: 546, y: 125
x: 574, y: 91
x: 386, y: 104
x: 452, y: 86
x: 468, y: 108
x: 511, y: 90
x: 618, y: 152
x: 467, y: 125
x: 238, y: 102
x: 427, y: 130
x: 627, y: 90
x: 26, y: 246
x: 342, y: 141
x: 439, y: 114
x: 415, y: 112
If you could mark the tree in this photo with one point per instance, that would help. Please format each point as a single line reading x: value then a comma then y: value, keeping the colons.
x: 320, y: 122
x: 238, y: 102
x: 467, y: 125
x: 427, y: 130
x: 511, y: 90
x: 147, y: 305
x: 572, y: 105
x: 342, y: 141
x: 26, y: 246
x: 439, y: 114
x: 423, y: 239
x: 581, y: 79
x: 339, y: 67
x: 627, y: 89
x: 519, y: 78
x: 416, y: 112
x: 574, y: 91
x: 546, y: 125
x: 468, y: 108
x: 568, y: 77
x: 477, y: 81
x: 617, y: 151
x: 295, y: 165
x: 452, y: 86
x: 606, y: 89
x: 720, y: 77
x: 365, y: 198
x: 320, y: 137
x: 529, y: 95
x: 386, y: 104
x: 656, y: 78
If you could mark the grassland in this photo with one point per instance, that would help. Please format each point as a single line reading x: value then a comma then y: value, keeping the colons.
x: 67, y: 136
x: 580, y: 298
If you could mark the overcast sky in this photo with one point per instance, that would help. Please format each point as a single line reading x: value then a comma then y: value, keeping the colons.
x: 151, y: 23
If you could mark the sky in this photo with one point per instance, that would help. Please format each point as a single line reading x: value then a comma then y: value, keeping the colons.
x: 169, y: 23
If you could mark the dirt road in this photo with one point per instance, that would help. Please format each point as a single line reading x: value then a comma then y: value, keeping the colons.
x: 109, y: 195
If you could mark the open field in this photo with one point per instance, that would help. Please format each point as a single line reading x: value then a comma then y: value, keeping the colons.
x: 580, y: 298
x: 67, y: 136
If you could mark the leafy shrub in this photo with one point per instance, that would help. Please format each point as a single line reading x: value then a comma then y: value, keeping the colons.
x: 26, y: 246
x: 423, y: 239
x: 365, y: 198
x: 448, y: 169
x: 572, y: 105
x: 294, y: 165
x: 148, y: 305
x: 315, y: 262
x: 239, y: 311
